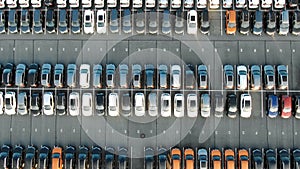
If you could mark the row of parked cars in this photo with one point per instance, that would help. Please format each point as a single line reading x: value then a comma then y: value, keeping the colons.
x: 135, y: 76
x: 101, y: 21
x: 257, y: 22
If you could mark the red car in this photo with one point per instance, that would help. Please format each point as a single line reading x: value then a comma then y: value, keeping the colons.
x: 286, y: 106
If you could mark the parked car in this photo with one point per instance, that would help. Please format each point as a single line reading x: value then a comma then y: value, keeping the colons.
x: 126, y: 104
x: 126, y: 21
x: 231, y: 106
x: 31, y: 157
x: 257, y: 23
x: 101, y: 21
x: 71, y: 75
x: 96, y: 156
x: 246, y: 105
x: 286, y: 106
x: 12, y: 21
x: 110, y: 71
x: 49, y: 3
x: 284, y: 158
x: 166, y: 24
x: 83, y: 157
x: 5, y: 156
x: 257, y: 159
x: 24, y: 22
x: 192, y: 22
x: 271, y: 160
x: 20, y: 77
x: 10, y: 103
x: 35, y: 104
x: 189, y: 77
x: 243, y: 158
x: 100, y: 104
x: 179, y: 24
x: 229, y: 157
x: 37, y: 21
x: 63, y: 21
x: 87, y: 104
x: 176, y: 158
x: 139, y: 105
x: 44, y: 153
x: 48, y: 103
x: 97, y: 76
x: 46, y: 74
x: 295, y: 156
x: 123, y: 75
x: 272, y: 109
x: 189, y: 157
x: 201, y: 4
x: 33, y: 75
x: 282, y: 77
x: 216, y: 158
x: 136, y: 75
x: 114, y: 21
x: 84, y: 75
x: 75, y: 21
x: 150, y: 76
x: 59, y: 75
x: 88, y: 21
x: 228, y: 77
x: 50, y: 21
x: 152, y: 22
x: 113, y: 104
x: 230, y: 22
x: 22, y: 103
x: 205, y: 105
x: 284, y: 22
x: 74, y: 104
x: 271, y: 23
x: 245, y: 22
x: 219, y: 105
x: 152, y: 104
x: 2, y: 21
x: 109, y: 157
x: 57, y: 158
x: 297, y: 107
x: 163, y: 76
x: 295, y: 23
x: 203, y: 158
x: 242, y: 77
x: 165, y: 105
x: 269, y: 77
x: 178, y: 105
x: 202, y: 77
x: 176, y: 77
x: 18, y: 157
x: 205, y: 25
x: 70, y: 157
x: 61, y: 105
x: 149, y: 157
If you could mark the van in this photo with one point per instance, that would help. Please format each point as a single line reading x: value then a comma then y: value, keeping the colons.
x: 284, y: 23
x: 57, y: 159
x: 257, y: 23
x: 230, y: 22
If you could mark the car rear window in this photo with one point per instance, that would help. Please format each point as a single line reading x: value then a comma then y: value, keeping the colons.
x: 109, y: 77
x: 193, y: 103
x: 229, y: 78
x: 100, y: 17
x: 193, y: 18
x: 99, y: 99
x: 179, y: 103
x: 87, y: 17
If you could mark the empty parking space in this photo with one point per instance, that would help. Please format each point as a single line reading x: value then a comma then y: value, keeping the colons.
x: 21, y: 130
x: 71, y: 130
x: 45, y: 51
x: 24, y: 51
x: 5, y: 124
x: 7, y: 50
x: 227, y: 132
x: 69, y: 51
x: 94, y: 52
x: 295, y: 69
x: 43, y: 130
x: 227, y: 51
x: 251, y: 52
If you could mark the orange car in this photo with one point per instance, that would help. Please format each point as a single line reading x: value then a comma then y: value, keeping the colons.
x: 230, y: 22
x: 229, y: 159
x: 176, y: 158
x: 216, y: 159
x: 243, y: 157
x: 189, y: 158
x: 57, y: 160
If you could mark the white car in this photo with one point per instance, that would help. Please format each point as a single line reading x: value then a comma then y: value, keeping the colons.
x: 150, y: 3
x: 87, y: 105
x: 179, y: 105
x: 99, y: 3
x: 74, y: 3
x: 111, y: 3
x: 240, y: 3
x: 84, y: 76
x: 163, y: 3
x: 139, y: 106
x: 1, y: 103
x: 192, y: 22
x: 214, y: 4
x: 10, y: 103
x: 279, y: 4
x: 201, y: 3
x: 165, y: 105
x: 188, y: 3
x: 192, y: 105
x: 36, y: 3
x: 48, y: 103
x: 242, y: 77
x: 205, y: 105
x: 86, y: 3
x: 124, y: 3
x: 253, y: 4
x: 23, y: 3
x: 227, y: 3
x: 152, y: 104
x: 61, y: 3
x: 2, y: 3
x: 88, y: 21
x: 137, y: 3
x: 11, y: 3
x: 176, y: 3
x: 176, y: 76
x: 74, y: 104
x: 101, y: 21
x: 113, y: 104
x: 246, y: 105
x: 266, y: 3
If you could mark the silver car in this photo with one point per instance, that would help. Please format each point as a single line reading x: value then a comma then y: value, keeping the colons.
x: 282, y: 77
x: 163, y: 76
x: 110, y: 71
x: 126, y: 105
x: 152, y: 28
x: 203, y: 77
x: 228, y: 77
x: 136, y: 75
x: 22, y: 103
x: 152, y: 104
x: 219, y: 106
x: 87, y: 104
x: 46, y: 75
x: 97, y: 76
x: 255, y: 77
x: 20, y: 75
x: 176, y: 76
x: 166, y: 24
x: 58, y: 75
x: 123, y: 71
x: 71, y: 75
x: 269, y: 77
x: 189, y: 77
x: 84, y: 76
x: 179, y: 25
x: 192, y: 105
x: 205, y: 105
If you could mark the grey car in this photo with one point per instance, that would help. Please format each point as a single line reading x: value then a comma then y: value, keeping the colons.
x: 149, y: 72
x: 114, y: 21
x: 179, y: 25
x: 22, y: 103
x: 153, y: 25
x: 110, y: 71
x: 245, y: 22
x: 163, y: 76
x: 20, y: 75
x: 126, y: 105
x: 46, y: 75
x: 97, y: 76
x: 271, y: 23
x: 219, y: 105
x: 71, y: 75
x: 59, y: 75
x: 228, y: 77
x: 166, y: 25
x: 136, y: 75
x: 203, y: 77
x: 255, y: 77
x: 205, y: 105
x: 269, y: 77
x: 152, y: 104
x: 282, y: 77
x: 257, y: 159
x: 123, y: 71
x: 205, y: 25
x: 189, y: 77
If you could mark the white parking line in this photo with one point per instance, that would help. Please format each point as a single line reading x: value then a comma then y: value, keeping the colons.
x: 221, y: 11
x: 262, y: 103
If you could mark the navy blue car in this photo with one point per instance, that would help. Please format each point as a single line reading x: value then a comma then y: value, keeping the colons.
x: 50, y: 21
x: 63, y: 26
x: 272, y: 109
x: 37, y: 24
x: 25, y: 21
x: 12, y: 21
x: 75, y: 25
x: 2, y: 22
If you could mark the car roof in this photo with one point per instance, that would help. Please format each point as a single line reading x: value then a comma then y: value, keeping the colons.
x: 114, y: 14
x: 49, y: 15
x: 62, y: 15
x: 11, y: 16
x: 75, y: 15
x: 258, y: 16
x: 37, y: 15
x: 205, y: 15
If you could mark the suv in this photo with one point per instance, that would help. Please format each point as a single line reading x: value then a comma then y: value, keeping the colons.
x: 203, y: 77
x: 48, y: 103
x: 61, y: 103
x: 44, y: 157
x: 136, y: 75
x: 46, y: 75
x: 59, y: 75
x: 33, y: 75
x: 35, y: 104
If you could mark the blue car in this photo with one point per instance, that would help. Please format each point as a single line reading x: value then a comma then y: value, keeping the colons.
x: 114, y: 22
x: 272, y: 110
x: 203, y: 158
x: 63, y: 26
x: 75, y: 25
x: 2, y: 22
x: 50, y: 21
x: 127, y: 21
x: 25, y: 27
x: 37, y: 24
x: 12, y: 21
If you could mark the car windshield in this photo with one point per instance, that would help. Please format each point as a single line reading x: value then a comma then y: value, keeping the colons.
x: 229, y: 78
x: 193, y: 103
x: 176, y: 157
x: 7, y: 101
x: 244, y: 158
x: 193, y: 18
x: 56, y: 77
x: 247, y: 103
x: 231, y: 25
x: 216, y: 158
x: 271, y: 78
x: 284, y: 78
x: 229, y: 158
x: 109, y: 77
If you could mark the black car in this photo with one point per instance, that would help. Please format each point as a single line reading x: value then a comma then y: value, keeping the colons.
x: 5, y: 156
x: 44, y: 157
x: 33, y: 75
x: 70, y: 157
x: 31, y: 157
x: 123, y: 158
x: 61, y: 103
x: 18, y: 157
x: 296, y: 158
x: 109, y: 157
x: 96, y: 155
x: 271, y: 160
x: 50, y: 21
x: 231, y: 106
x: 284, y: 159
x: 257, y: 159
x: 179, y: 24
x: 35, y: 104
x: 83, y: 157
x: 162, y: 157
x: 204, y: 28
x: 100, y: 104
x: 271, y: 23
x: 8, y: 74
